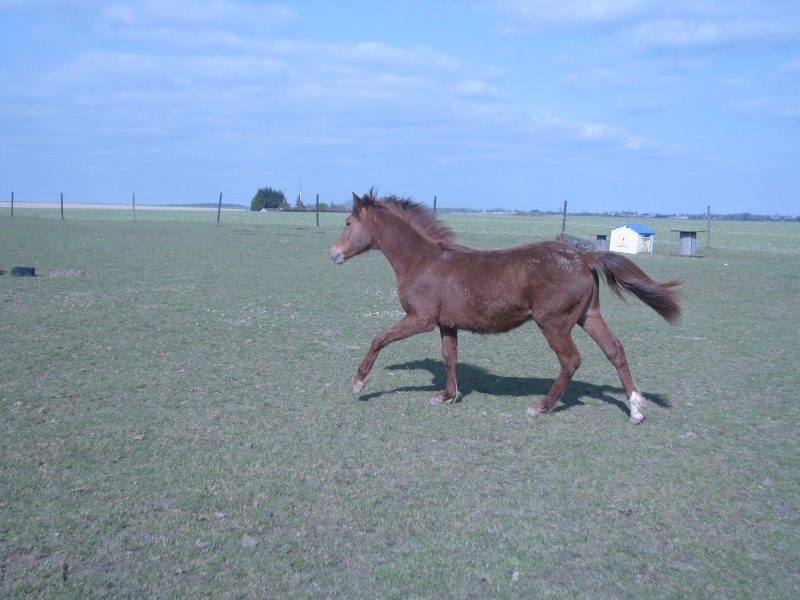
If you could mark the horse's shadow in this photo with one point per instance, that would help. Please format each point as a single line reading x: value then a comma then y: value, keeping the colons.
x: 472, y: 378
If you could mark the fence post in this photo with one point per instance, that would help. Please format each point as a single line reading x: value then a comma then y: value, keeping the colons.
x: 564, y: 220
x: 317, y: 205
x: 12, y: 204
x: 219, y: 207
x: 134, y: 206
x: 62, y: 206
x: 434, y: 205
x: 708, y: 227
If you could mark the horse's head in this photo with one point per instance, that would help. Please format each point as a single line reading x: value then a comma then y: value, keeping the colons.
x: 355, y: 238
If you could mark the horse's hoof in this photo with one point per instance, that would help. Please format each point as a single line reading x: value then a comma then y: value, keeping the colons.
x: 536, y: 409
x: 440, y: 399
x: 636, y: 420
x: 359, y: 385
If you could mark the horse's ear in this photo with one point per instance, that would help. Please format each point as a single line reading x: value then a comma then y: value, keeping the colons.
x: 363, y: 202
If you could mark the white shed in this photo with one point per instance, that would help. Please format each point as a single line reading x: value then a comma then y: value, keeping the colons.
x: 632, y: 239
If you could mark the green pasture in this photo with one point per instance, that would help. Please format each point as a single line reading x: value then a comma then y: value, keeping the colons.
x: 176, y: 421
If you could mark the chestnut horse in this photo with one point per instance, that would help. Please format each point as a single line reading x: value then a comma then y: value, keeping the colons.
x: 440, y: 283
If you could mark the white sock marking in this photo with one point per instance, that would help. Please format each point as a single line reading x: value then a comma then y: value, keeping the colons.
x: 636, y: 403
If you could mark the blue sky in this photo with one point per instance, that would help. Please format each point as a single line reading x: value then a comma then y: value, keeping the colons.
x: 646, y: 105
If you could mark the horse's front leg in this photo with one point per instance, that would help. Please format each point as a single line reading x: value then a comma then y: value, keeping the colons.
x: 405, y: 327
x: 450, y: 357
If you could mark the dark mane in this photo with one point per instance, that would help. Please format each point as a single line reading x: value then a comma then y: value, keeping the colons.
x: 419, y: 217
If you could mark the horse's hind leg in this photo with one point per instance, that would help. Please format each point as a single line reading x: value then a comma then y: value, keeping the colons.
x: 560, y: 340
x: 450, y: 357
x: 596, y: 327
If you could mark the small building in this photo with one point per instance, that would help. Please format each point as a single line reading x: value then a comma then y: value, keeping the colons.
x: 632, y: 239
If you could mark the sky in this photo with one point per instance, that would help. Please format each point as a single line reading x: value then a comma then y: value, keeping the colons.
x: 652, y: 106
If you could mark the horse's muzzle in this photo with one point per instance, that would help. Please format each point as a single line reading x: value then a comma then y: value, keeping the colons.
x: 336, y: 256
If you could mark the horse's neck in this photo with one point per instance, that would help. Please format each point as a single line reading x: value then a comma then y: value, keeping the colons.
x: 403, y: 246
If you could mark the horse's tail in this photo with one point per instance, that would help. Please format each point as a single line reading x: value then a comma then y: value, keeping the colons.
x: 622, y: 274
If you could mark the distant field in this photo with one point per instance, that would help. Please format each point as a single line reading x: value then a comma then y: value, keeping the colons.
x: 735, y: 235
x: 176, y: 421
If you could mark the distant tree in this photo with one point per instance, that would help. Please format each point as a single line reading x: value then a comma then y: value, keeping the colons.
x: 333, y: 207
x: 266, y: 197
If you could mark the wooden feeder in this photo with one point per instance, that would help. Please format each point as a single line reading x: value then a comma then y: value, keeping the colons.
x: 687, y: 241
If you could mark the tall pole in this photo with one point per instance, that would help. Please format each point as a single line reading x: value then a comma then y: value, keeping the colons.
x: 134, y: 206
x: 62, y: 206
x: 219, y: 207
x: 708, y: 227
x: 564, y: 220
x: 317, y: 205
x: 434, y: 205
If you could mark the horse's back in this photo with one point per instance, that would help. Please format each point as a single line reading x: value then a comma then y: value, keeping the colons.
x: 493, y: 291
x: 537, y: 264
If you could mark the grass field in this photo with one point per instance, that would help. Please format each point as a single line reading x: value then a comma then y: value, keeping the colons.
x: 176, y: 421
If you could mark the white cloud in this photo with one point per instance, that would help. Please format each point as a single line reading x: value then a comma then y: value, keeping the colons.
x: 790, y: 72
x: 639, y: 87
x: 218, y: 87
x: 778, y: 107
x: 525, y: 15
x: 599, y: 134
x: 162, y: 13
x: 645, y: 102
x: 187, y: 74
x: 219, y: 13
x: 680, y: 34
x: 599, y: 78
x: 628, y: 76
x: 58, y: 9
x: 171, y: 81
x: 647, y: 24
x: 646, y: 56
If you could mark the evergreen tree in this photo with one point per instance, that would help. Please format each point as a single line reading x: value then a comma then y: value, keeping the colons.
x: 266, y: 197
